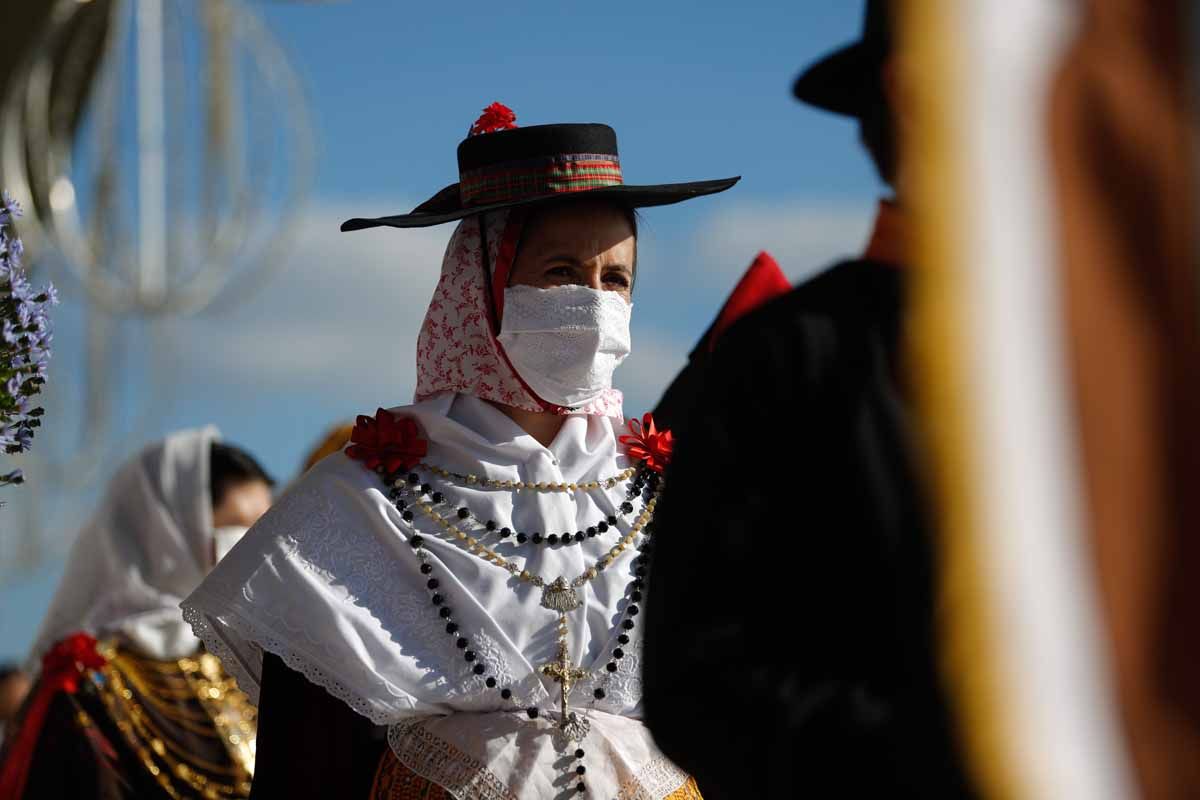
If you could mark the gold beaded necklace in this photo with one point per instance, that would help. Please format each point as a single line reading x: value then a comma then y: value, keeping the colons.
x: 558, y: 595
x: 490, y: 483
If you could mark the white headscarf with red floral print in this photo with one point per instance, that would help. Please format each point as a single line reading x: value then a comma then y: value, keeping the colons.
x: 457, y: 350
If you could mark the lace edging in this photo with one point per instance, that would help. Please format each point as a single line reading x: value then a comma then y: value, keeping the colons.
x: 467, y: 778
x: 441, y: 762
x: 249, y: 683
x: 657, y: 778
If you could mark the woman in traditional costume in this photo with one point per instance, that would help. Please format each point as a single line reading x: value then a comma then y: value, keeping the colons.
x: 334, y: 441
x: 127, y: 703
x: 450, y: 607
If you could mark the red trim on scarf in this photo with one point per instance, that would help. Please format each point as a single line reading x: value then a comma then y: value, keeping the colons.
x: 506, y: 254
x: 889, y: 238
x: 762, y: 281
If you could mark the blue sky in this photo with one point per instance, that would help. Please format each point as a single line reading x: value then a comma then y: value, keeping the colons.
x: 695, y: 90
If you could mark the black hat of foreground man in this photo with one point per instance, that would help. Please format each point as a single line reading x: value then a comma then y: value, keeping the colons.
x: 501, y: 165
x: 847, y: 80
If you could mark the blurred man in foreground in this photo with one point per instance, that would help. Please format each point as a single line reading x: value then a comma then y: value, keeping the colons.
x: 790, y: 646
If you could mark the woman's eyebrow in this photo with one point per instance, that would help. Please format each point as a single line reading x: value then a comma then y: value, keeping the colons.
x: 560, y: 256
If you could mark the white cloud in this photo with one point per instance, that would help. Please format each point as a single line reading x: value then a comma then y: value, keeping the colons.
x: 803, y: 238
x: 656, y: 359
x: 347, y: 310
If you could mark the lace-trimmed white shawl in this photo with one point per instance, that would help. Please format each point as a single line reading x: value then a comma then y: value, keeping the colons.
x: 327, y: 581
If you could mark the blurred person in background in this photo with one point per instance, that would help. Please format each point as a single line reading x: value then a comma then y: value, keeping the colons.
x: 790, y: 643
x: 14, y: 687
x: 449, y: 608
x: 127, y: 703
x: 334, y: 441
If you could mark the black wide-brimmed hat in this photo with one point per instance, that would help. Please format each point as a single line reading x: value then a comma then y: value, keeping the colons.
x: 502, y: 166
x: 847, y: 80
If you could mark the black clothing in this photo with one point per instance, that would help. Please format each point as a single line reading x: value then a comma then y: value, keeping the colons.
x: 790, y: 642
x: 136, y: 730
x: 311, y: 744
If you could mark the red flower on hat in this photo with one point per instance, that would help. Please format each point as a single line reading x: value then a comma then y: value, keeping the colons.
x: 389, y: 441
x: 646, y: 443
x: 496, y: 117
x: 67, y: 660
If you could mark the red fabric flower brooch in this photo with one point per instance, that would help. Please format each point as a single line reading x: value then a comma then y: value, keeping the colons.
x: 391, y: 442
x: 67, y: 660
x: 496, y: 117
x: 646, y: 443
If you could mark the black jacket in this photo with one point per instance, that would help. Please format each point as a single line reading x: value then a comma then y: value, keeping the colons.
x: 790, y: 644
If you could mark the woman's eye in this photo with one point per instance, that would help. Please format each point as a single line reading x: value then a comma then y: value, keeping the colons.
x: 617, y: 280
x: 558, y: 272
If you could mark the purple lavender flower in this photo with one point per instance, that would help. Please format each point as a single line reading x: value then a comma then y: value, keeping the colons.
x: 23, y: 438
x: 19, y: 289
x: 9, y: 333
x: 9, y: 208
x: 38, y: 361
x: 24, y: 312
x: 25, y: 337
x: 40, y: 349
x: 16, y: 249
x: 36, y: 324
x: 49, y: 295
x: 11, y: 248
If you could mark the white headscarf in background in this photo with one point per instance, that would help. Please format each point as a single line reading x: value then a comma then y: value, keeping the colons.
x: 145, y: 549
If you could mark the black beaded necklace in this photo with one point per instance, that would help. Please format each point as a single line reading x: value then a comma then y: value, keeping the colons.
x: 402, y: 492
x: 408, y: 492
x: 574, y: 729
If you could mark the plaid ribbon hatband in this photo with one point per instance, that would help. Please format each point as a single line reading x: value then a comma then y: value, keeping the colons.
x: 560, y: 174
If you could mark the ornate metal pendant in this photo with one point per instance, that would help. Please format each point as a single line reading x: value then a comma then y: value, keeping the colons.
x: 561, y: 597
x: 573, y: 729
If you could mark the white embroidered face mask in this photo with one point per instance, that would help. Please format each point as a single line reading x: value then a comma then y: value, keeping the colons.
x: 225, y: 537
x: 566, y: 341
